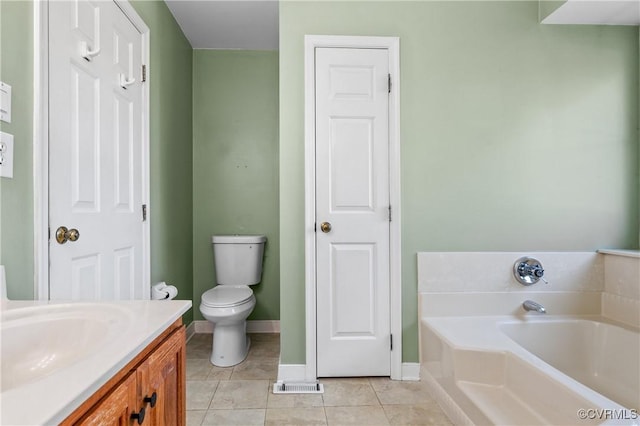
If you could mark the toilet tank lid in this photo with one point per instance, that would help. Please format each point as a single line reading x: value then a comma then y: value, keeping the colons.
x: 238, y: 239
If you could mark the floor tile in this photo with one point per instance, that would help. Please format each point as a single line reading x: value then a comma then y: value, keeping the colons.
x: 346, y: 392
x: 198, y: 369
x: 264, y: 348
x: 400, y: 392
x: 199, y: 346
x: 220, y: 373
x: 199, y: 340
x: 235, y: 417
x: 195, y: 417
x: 356, y: 416
x: 295, y: 416
x: 200, y: 393
x: 293, y: 400
x: 241, y: 394
x: 425, y: 414
x: 256, y: 369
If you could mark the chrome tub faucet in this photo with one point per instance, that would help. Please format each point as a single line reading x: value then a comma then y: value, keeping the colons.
x: 530, y: 305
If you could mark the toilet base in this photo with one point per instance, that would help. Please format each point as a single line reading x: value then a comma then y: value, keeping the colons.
x: 230, y: 344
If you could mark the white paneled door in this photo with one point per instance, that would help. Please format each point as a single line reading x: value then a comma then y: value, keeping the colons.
x: 96, y: 153
x: 352, y: 212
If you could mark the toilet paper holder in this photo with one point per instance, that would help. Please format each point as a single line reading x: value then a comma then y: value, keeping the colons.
x: 163, y: 291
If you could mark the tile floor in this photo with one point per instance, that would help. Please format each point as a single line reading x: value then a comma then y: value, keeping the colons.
x: 242, y: 395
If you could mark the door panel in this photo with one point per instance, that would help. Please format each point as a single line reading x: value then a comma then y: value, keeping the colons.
x: 352, y: 194
x: 353, y: 279
x: 351, y: 161
x: 96, y: 152
x: 85, y: 140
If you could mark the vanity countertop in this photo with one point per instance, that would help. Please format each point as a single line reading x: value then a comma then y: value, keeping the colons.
x: 90, y: 341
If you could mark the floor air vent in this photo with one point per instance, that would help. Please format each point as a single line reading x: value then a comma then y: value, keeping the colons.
x: 282, y: 387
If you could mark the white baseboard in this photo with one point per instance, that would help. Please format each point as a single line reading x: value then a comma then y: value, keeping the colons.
x: 292, y: 372
x: 256, y: 326
x: 263, y: 326
x: 191, y: 330
x: 411, y: 371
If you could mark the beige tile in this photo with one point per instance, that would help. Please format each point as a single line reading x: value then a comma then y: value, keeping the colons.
x: 425, y: 414
x: 347, y: 392
x: 295, y: 416
x: 356, y: 416
x: 401, y: 392
x: 220, y: 373
x: 198, y: 369
x: 268, y: 348
x: 199, y: 338
x: 199, y: 346
x: 256, y: 369
x: 241, y: 394
x: 345, y: 380
x: 199, y: 394
x: 293, y: 400
x: 195, y: 417
x: 265, y: 337
x: 235, y: 417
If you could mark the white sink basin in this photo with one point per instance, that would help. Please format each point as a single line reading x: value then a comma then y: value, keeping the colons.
x: 55, y: 355
x: 41, y: 340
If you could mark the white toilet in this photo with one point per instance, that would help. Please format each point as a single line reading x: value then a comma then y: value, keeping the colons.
x: 238, y: 262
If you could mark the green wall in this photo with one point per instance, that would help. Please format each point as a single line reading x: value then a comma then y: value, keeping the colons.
x: 514, y: 135
x: 171, y: 149
x: 16, y: 195
x: 235, y: 163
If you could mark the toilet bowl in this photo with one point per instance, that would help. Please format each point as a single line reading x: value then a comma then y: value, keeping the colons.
x: 229, y: 313
x: 238, y: 262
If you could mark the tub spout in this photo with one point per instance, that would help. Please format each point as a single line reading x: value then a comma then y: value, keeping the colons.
x: 530, y: 305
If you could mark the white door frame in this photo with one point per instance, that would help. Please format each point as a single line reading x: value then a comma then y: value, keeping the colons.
x: 41, y: 144
x: 311, y: 42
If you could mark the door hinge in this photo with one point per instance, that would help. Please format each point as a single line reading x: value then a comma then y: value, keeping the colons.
x: 144, y: 212
x: 389, y: 213
x: 144, y: 73
x: 389, y: 82
x: 391, y: 341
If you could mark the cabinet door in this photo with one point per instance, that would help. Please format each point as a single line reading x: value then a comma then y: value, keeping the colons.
x: 164, y: 374
x: 116, y: 408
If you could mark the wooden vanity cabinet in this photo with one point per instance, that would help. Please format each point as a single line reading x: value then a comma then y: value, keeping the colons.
x: 163, y: 373
x: 153, y: 383
x: 116, y: 407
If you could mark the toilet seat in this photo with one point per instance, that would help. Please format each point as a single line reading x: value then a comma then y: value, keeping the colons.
x: 225, y: 296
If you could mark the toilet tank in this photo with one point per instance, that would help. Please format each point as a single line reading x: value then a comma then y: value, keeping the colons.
x: 238, y: 258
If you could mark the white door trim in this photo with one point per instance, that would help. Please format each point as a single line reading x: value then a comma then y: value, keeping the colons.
x: 41, y: 144
x: 311, y: 42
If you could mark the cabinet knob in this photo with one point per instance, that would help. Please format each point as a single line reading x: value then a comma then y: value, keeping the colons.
x: 151, y: 399
x: 139, y: 416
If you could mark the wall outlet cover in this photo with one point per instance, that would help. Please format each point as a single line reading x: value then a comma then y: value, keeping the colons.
x: 5, y: 102
x: 6, y: 155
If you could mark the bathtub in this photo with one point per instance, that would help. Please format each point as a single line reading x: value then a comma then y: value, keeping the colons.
x: 532, y: 369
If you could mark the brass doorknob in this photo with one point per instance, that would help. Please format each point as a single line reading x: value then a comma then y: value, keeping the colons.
x: 63, y: 235
x: 325, y: 227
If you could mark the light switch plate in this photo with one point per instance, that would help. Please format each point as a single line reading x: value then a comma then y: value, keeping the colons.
x: 5, y: 102
x: 6, y: 155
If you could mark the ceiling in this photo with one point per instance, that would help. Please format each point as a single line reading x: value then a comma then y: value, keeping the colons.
x: 603, y: 12
x: 253, y: 24
x: 223, y: 24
